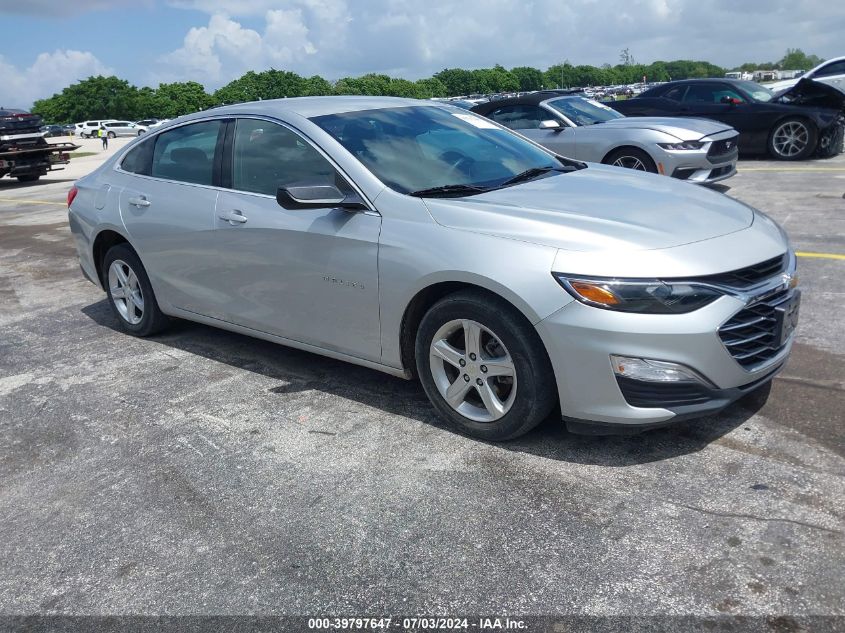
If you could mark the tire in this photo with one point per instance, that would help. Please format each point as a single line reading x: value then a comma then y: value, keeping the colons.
x: 29, y: 178
x: 140, y: 132
x: 631, y: 158
x: 111, y: 134
x: 508, y: 344
x: 793, y: 139
x: 145, y: 319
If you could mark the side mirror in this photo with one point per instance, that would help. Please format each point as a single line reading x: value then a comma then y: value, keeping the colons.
x: 551, y: 124
x: 318, y: 197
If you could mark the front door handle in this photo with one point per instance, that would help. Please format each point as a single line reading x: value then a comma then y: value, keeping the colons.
x: 232, y: 217
x: 140, y: 201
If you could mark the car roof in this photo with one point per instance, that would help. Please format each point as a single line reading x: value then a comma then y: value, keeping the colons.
x: 315, y: 106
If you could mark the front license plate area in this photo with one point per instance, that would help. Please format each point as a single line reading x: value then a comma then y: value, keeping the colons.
x: 787, y: 319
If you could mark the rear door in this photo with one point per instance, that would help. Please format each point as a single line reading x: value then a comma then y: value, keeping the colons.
x: 310, y: 275
x: 167, y: 205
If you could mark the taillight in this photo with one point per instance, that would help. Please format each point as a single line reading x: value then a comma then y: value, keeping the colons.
x: 71, y: 195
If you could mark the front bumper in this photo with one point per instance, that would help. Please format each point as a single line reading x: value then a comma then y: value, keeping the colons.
x: 581, y: 339
x: 712, y: 163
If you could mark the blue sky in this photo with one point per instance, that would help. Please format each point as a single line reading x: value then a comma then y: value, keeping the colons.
x: 48, y: 44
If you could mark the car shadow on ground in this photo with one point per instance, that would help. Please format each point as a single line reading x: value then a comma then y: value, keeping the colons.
x: 298, y: 371
x: 7, y: 184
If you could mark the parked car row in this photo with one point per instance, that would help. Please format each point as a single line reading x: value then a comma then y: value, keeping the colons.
x: 804, y: 120
x: 426, y: 241
x: 115, y: 128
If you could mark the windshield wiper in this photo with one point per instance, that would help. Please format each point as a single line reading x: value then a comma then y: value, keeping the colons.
x: 530, y: 174
x: 449, y: 190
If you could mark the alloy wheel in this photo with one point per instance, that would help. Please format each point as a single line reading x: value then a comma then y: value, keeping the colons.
x: 473, y: 370
x: 629, y: 162
x: 790, y: 138
x: 126, y: 292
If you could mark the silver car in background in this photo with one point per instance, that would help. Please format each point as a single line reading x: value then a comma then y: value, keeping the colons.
x: 419, y: 239
x: 696, y: 150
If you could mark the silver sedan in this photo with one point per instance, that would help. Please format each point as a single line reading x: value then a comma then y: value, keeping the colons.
x: 419, y: 239
x: 695, y: 150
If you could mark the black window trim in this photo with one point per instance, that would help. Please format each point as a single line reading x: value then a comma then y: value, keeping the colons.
x: 228, y: 153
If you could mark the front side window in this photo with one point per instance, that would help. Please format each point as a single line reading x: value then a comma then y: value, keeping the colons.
x: 267, y: 156
x: 416, y: 148
x: 584, y: 111
x: 186, y: 153
x: 520, y: 117
x: 675, y: 93
x: 756, y: 91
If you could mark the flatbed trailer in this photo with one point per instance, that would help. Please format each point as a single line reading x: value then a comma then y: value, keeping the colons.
x: 29, y: 162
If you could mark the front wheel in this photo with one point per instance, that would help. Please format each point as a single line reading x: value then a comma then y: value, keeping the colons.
x: 793, y: 139
x: 631, y: 158
x: 130, y: 294
x: 484, y: 367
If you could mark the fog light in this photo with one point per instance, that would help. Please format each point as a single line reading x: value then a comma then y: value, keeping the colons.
x: 654, y: 370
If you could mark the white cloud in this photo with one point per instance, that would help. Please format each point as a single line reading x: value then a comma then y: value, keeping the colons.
x: 50, y: 72
x: 336, y: 38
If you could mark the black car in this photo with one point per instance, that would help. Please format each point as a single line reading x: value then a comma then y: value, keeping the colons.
x: 793, y: 124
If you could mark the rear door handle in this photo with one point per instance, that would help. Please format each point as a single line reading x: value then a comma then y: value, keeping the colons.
x: 140, y: 201
x: 232, y: 217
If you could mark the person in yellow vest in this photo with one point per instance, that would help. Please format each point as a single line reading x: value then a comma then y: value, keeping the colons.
x: 105, y: 137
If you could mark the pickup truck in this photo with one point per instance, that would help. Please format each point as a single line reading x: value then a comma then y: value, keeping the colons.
x: 24, y: 152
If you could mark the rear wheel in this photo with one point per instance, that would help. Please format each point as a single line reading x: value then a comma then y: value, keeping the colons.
x: 631, y: 158
x: 29, y: 178
x: 483, y: 366
x: 793, y: 139
x: 130, y: 294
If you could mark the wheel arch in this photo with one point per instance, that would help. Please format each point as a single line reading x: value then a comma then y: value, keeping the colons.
x: 102, y: 243
x: 431, y: 293
x: 628, y: 145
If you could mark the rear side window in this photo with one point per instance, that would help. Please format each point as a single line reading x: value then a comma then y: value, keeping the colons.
x: 267, y: 156
x: 186, y: 154
x: 139, y: 159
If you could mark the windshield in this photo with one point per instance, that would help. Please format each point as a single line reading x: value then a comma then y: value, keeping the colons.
x: 416, y: 148
x: 583, y: 111
x: 756, y: 91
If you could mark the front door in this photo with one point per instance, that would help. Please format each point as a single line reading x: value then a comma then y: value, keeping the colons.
x: 308, y: 275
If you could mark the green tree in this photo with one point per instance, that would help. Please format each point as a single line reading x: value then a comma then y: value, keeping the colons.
x: 529, y: 78
x: 93, y: 98
x: 796, y: 59
x: 431, y: 87
x: 176, y: 99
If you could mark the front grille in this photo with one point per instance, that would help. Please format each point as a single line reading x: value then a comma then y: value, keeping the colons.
x: 750, y: 336
x: 640, y: 393
x: 720, y: 148
x: 748, y: 276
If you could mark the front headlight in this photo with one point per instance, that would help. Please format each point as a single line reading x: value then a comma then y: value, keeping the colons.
x: 646, y: 296
x: 683, y: 145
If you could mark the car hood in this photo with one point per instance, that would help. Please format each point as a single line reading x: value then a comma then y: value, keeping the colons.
x: 597, y: 208
x: 809, y: 92
x: 682, y: 128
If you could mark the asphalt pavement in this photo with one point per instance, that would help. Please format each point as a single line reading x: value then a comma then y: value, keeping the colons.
x: 204, y: 472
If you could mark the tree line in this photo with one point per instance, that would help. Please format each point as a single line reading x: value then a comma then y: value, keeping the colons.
x: 112, y: 97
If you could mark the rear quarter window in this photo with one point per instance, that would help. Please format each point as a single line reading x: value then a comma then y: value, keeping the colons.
x: 139, y: 159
